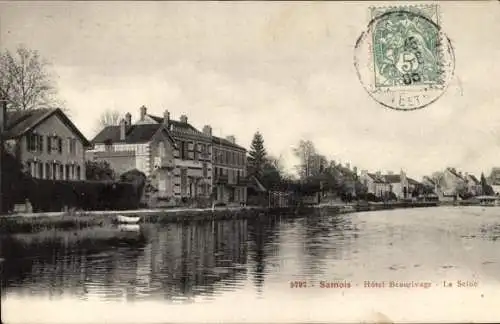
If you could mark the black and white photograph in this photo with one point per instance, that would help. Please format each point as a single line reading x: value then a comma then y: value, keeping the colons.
x: 249, y: 161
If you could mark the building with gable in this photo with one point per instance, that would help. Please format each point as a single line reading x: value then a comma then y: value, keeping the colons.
x: 46, y: 142
x: 173, y: 154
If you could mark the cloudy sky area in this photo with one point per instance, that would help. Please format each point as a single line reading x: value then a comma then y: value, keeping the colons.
x: 285, y: 69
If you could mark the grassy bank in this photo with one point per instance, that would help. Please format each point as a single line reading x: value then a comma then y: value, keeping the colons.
x: 47, y: 222
x: 34, y: 223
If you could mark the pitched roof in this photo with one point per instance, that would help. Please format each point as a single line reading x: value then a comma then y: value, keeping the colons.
x: 428, y: 179
x: 413, y: 181
x: 22, y: 121
x: 452, y: 171
x: 134, y: 134
x: 376, y: 178
x: 222, y: 141
x: 177, y: 126
x: 474, y: 179
x: 392, y: 178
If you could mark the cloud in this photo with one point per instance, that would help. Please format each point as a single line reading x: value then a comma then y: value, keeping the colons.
x: 285, y: 69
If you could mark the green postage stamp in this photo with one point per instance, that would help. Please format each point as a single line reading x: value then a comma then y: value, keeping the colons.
x: 403, y: 59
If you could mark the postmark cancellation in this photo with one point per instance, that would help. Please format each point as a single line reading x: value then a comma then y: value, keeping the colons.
x: 403, y: 59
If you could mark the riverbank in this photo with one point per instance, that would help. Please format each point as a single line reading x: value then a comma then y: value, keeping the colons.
x: 40, y: 222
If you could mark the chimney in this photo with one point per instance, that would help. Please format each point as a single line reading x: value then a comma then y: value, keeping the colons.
x: 379, y: 174
x: 184, y: 119
x: 231, y: 139
x: 144, y: 111
x: 207, y: 130
x: 128, y: 118
x: 166, y: 118
x: 123, y: 124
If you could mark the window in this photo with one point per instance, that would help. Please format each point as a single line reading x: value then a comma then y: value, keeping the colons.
x: 68, y: 177
x: 48, y: 170
x: 205, y: 170
x: 196, y: 153
x: 32, y: 140
x: 183, y: 181
x: 184, y: 150
x: 61, y: 172
x: 161, y: 149
x: 72, y: 145
x: 59, y: 145
x: 78, y: 175
x: 40, y: 170
x: 54, y: 171
x: 49, y: 144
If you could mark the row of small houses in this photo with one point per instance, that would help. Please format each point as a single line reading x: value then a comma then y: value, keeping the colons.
x: 180, y: 161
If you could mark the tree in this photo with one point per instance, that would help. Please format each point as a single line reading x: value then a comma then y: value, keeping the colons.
x: 14, y: 182
x: 99, y: 170
x: 306, y: 153
x: 257, y: 155
x: 109, y: 118
x: 485, y: 187
x: 26, y: 81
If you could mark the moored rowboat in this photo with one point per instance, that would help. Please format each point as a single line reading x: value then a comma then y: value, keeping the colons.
x: 127, y: 219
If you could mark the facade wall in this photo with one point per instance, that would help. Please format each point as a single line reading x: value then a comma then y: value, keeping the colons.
x: 119, y: 162
x: 65, y: 160
x: 141, y: 155
x: 162, y: 176
x: 229, y: 163
x: 193, y: 167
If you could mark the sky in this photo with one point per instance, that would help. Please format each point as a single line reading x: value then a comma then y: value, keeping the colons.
x: 284, y: 69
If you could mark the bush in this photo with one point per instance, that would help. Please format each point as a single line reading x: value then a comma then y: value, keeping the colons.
x: 13, y: 182
x: 55, y: 195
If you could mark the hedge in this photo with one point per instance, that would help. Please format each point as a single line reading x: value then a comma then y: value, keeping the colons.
x: 55, y: 195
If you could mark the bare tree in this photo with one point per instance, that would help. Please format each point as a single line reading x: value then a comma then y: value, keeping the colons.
x: 26, y: 81
x: 109, y: 118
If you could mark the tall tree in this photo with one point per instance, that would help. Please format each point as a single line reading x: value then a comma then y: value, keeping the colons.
x: 310, y: 162
x: 26, y: 81
x: 257, y: 155
x: 485, y: 187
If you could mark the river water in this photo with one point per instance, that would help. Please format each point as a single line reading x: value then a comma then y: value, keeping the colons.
x: 393, y: 265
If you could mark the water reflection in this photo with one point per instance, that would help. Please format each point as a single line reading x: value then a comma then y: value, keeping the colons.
x: 176, y: 262
x: 206, y: 261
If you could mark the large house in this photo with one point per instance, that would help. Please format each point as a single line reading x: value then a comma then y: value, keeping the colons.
x: 229, y: 170
x: 46, y: 142
x: 173, y: 154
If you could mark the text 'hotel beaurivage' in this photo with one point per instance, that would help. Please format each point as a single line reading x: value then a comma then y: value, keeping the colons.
x: 180, y: 161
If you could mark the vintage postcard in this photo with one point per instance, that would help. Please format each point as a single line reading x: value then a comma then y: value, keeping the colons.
x: 249, y: 162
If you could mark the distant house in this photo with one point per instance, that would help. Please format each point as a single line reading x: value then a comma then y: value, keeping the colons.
x: 414, y: 186
x: 46, y: 142
x: 174, y: 155
x: 494, y: 180
x: 399, y: 184
x: 473, y: 185
x: 375, y: 183
x: 430, y: 184
x: 453, y: 182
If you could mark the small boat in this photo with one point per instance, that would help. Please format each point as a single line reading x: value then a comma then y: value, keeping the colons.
x: 129, y: 227
x: 127, y: 219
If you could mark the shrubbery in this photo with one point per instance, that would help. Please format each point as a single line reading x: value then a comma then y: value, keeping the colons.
x: 55, y: 195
